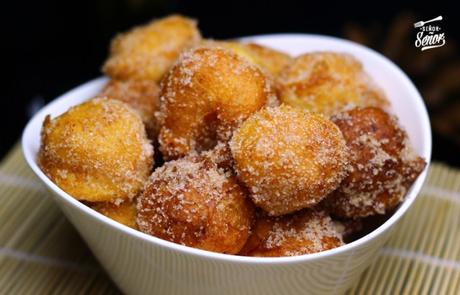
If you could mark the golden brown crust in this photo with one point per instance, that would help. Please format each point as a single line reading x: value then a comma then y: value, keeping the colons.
x: 268, y: 59
x: 328, y: 82
x: 124, y: 213
x: 147, y: 52
x: 208, y: 93
x: 288, y: 158
x: 305, y: 232
x: 272, y: 60
x: 382, y: 164
x: 97, y: 151
x: 142, y: 95
x: 191, y: 201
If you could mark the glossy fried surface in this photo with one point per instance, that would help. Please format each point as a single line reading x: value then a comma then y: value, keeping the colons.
x: 288, y: 158
x: 268, y: 59
x: 142, y: 95
x: 208, y: 93
x: 328, y: 82
x: 96, y: 151
x: 124, y: 213
x: 192, y: 202
x: 305, y: 232
x: 147, y: 52
x: 382, y: 165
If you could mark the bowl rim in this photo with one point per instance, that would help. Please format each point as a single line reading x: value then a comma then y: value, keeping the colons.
x: 203, y: 254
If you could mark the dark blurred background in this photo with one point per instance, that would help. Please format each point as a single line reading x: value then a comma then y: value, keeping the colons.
x: 49, y: 47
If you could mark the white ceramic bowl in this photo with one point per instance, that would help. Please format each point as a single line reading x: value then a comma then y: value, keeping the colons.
x: 141, y: 264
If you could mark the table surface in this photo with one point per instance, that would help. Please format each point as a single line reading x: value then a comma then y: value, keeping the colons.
x: 41, y: 253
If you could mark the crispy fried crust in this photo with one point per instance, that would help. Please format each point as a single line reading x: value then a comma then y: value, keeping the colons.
x: 382, y: 165
x: 305, y: 232
x: 124, y: 213
x: 327, y: 82
x: 97, y: 151
x: 208, y: 93
x: 142, y: 95
x: 270, y: 60
x: 147, y: 52
x: 288, y: 158
x: 191, y: 202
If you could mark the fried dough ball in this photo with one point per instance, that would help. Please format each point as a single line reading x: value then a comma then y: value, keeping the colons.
x: 147, y: 52
x: 97, y: 151
x: 305, y: 232
x: 124, y: 213
x: 142, y: 95
x: 382, y: 165
x: 270, y: 60
x: 328, y: 82
x: 191, y: 202
x: 288, y: 158
x: 208, y: 93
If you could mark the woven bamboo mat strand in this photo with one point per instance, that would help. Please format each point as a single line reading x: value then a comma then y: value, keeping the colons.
x: 41, y: 253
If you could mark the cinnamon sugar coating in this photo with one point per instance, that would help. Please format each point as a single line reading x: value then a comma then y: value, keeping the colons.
x: 305, y: 232
x: 97, y: 151
x: 268, y: 59
x: 192, y: 202
x: 147, y: 52
x: 327, y: 83
x: 207, y: 94
x: 288, y: 158
x: 382, y: 165
x: 142, y: 95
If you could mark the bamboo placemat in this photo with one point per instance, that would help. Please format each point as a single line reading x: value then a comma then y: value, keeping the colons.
x: 41, y: 253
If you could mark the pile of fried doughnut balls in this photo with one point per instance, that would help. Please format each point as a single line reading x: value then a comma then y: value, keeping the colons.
x: 231, y: 147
